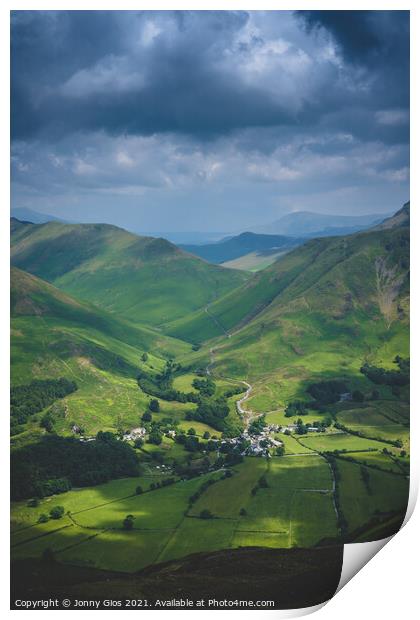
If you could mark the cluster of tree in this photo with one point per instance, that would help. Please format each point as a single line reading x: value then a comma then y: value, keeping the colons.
x: 212, y: 412
x: 257, y: 425
x: 191, y: 443
x: 160, y: 386
x: 261, y: 484
x: 41, y: 467
x: 205, y: 386
x: 326, y: 393
x: 233, y: 391
x: 294, y: 408
x: 25, y: 400
x: 202, y: 489
x: 342, y: 521
x: 381, y: 376
x: 57, y: 512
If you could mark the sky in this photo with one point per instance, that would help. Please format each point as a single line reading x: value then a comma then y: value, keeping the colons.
x: 208, y: 121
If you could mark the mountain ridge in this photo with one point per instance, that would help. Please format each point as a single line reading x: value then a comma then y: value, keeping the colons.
x: 144, y: 279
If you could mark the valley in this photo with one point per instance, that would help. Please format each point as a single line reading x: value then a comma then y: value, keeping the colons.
x: 262, y: 411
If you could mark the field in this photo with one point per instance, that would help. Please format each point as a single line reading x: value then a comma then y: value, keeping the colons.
x: 91, y: 533
x: 254, y: 261
x: 384, y: 495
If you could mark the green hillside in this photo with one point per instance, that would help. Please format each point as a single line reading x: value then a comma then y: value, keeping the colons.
x: 143, y: 279
x: 348, y: 303
x: 336, y: 276
x: 54, y: 335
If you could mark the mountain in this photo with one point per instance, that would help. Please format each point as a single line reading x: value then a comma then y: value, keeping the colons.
x: 143, y: 279
x: 28, y: 215
x: 55, y: 335
x: 245, y: 243
x: 400, y: 218
x: 336, y: 277
x: 308, y: 224
x: 187, y: 237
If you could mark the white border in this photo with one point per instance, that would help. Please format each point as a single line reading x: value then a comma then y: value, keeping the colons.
x: 401, y: 598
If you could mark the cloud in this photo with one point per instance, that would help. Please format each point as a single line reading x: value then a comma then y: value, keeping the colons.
x: 189, y: 113
x: 197, y: 73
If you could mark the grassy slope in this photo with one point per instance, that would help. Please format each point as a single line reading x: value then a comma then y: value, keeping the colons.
x: 54, y: 335
x: 332, y: 275
x: 143, y: 279
x: 319, y: 312
x: 254, y: 261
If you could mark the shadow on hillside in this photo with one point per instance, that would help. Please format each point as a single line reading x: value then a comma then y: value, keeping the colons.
x: 292, y: 578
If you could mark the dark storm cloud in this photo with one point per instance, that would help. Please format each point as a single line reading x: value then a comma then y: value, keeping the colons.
x: 145, y: 73
x: 377, y: 41
x: 173, y: 83
x: 194, y: 118
x: 365, y: 37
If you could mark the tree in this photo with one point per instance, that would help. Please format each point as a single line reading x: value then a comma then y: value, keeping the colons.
x: 147, y: 416
x: 57, y: 512
x: 154, y: 405
x: 243, y: 512
x: 206, y: 514
x: 33, y: 503
x: 191, y: 443
x: 128, y: 522
x: 43, y: 518
x: 191, y: 431
x: 155, y: 437
x: 138, y: 443
x: 144, y: 357
x: 47, y: 422
x: 280, y: 451
x: 358, y: 396
x: 139, y: 490
x: 206, y: 435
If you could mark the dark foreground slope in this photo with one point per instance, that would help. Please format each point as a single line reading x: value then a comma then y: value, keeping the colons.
x: 143, y: 279
x: 291, y: 578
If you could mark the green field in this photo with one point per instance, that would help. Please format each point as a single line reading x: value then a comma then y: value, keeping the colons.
x: 340, y: 441
x: 387, y: 494
x: 92, y: 532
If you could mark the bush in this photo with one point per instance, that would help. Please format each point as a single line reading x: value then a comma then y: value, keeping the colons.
x: 128, y: 522
x: 43, y: 518
x: 206, y: 514
x: 154, y: 405
x: 57, y: 512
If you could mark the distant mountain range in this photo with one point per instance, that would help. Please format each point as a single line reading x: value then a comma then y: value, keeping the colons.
x: 308, y: 224
x: 28, y: 215
x: 233, y: 247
